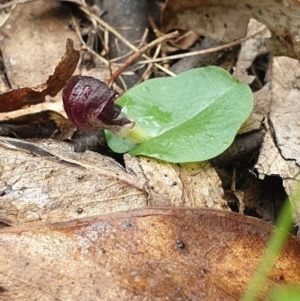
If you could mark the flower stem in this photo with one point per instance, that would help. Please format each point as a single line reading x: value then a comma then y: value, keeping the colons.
x: 137, y: 135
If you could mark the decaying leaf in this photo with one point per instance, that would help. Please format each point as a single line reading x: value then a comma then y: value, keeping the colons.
x: 250, y: 49
x: 36, y: 34
x: 280, y: 154
x: 23, y: 97
x: 48, y: 181
x: 285, y: 78
x: 146, y: 254
x: 194, y: 185
x: 227, y: 20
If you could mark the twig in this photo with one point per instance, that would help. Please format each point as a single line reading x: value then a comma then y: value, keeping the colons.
x: 115, y: 33
x: 140, y: 51
x: 143, y: 39
x: 205, y: 51
x: 146, y: 74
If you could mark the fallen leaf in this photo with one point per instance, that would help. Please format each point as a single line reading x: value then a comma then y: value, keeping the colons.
x: 48, y: 181
x: 183, y: 42
x: 279, y: 155
x: 285, y: 78
x: 24, y: 97
x: 227, y: 20
x: 146, y: 254
x: 194, y: 185
x: 250, y: 49
x: 36, y: 37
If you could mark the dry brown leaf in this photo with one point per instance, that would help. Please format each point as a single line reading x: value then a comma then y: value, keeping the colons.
x: 227, y: 20
x: 36, y: 36
x: 24, y: 97
x: 250, y: 49
x: 47, y: 181
x: 183, y: 42
x: 181, y: 185
x: 280, y: 154
x: 285, y: 79
x: 146, y: 254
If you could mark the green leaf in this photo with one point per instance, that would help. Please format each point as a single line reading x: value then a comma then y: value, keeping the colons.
x: 287, y: 293
x: 191, y: 117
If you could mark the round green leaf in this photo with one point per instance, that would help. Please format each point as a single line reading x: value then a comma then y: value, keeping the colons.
x: 191, y: 117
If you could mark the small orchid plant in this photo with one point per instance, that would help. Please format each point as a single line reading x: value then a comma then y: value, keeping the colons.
x: 191, y: 117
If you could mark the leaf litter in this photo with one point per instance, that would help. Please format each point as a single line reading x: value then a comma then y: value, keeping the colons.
x: 46, y: 181
x: 153, y: 253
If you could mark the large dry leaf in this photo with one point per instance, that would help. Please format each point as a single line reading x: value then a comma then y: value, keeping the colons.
x: 147, y: 254
x: 227, y: 20
x: 47, y: 181
x: 24, y: 97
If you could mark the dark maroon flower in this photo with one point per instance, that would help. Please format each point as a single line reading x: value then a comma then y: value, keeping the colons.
x: 89, y: 104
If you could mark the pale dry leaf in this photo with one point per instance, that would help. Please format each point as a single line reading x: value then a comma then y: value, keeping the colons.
x: 148, y: 254
x: 47, y: 181
x: 250, y: 49
x: 227, y: 20
x: 280, y: 157
x: 285, y: 113
x: 283, y: 157
x: 180, y: 185
x: 270, y: 162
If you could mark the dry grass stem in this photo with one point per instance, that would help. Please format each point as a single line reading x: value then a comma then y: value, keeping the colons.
x: 140, y: 51
x: 205, y: 51
x: 120, y: 37
x: 84, y: 45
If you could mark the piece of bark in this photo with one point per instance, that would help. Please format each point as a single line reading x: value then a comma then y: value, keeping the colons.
x: 242, y: 145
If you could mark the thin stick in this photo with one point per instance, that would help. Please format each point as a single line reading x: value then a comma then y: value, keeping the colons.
x: 210, y: 50
x: 146, y: 74
x: 139, y: 52
x: 116, y: 34
x: 143, y: 39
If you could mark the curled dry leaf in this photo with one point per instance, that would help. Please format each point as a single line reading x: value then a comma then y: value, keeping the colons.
x: 24, y: 97
x: 227, y: 20
x: 145, y: 254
